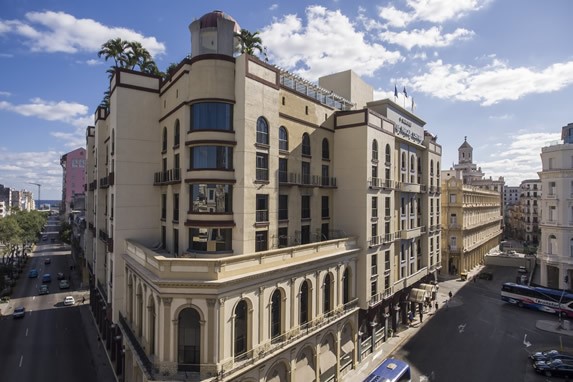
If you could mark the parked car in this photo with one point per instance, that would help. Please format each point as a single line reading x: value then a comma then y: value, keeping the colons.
x: 43, y: 289
x: 485, y: 275
x: 69, y: 300
x: 554, y: 368
x: 47, y: 260
x: 550, y: 355
x: 19, y: 312
x: 64, y: 284
x: 46, y: 278
x: 60, y: 276
x: 33, y: 273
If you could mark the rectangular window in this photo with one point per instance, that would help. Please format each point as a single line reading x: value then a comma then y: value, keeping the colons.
x: 261, y: 243
x: 305, y: 169
x: 262, y: 208
x: 374, y: 172
x: 374, y: 207
x: 305, y: 234
x: 325, y: 211
x: 283, y: 207
x: 206, y: 198
x: 374, y: 231
x: 373, y: 288
x: 325, y: 232
x: 374, y: 265
x: 325, y: 175
x: 283, y: 170
x: 552, y: 188
x: 163, y: 206
x: 283, y: 237
x: 262, y: 166
x: 211, y: 116
x: 305, y: 207
x: 175, y: 207
x: 210, y: 239
x: 176, y: 242
x: 452, y: 198
x: 387, y: 210
x: 453, y: 219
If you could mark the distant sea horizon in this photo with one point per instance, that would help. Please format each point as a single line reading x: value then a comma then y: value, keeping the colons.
x: 52, y: 203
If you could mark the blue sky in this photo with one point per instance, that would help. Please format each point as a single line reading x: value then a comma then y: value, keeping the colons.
x: 497, y: 71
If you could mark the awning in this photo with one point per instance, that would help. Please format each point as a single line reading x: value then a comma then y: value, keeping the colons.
x: 327, y: 361
x: 305, y: 373
x: 429, y: 288
x: 417, y: 295
x: 348, y: 346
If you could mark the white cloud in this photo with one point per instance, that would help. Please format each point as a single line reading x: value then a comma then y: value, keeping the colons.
x: 92, y: 62
x: 6, y: 55
x: 329, y: 43
x: 424, y: 38
x: 503, y: 117
x: 61, y: 32
x: 5, y: 94
x: 273, y: 7
x: 492, y: 83
x: 520, y: 158
x: 69, y: 112
x: 435, y: 11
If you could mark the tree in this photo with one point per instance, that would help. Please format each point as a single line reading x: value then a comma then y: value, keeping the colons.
x: 115, y: 49
x: 10, y: 235
x: 249, y: 42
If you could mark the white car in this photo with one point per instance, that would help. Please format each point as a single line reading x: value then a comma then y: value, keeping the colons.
x: 69, y: 300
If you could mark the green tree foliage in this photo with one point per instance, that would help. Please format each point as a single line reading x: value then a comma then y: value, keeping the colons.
x: 10, y: 235
x: 65, y: 234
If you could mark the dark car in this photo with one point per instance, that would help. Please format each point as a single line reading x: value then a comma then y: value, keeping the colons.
x: 60, y: 276
x: 19, y: 312
x: 33, y: 273
x: 46, y: 278
x: 550, y: 355
x: 47, y: 260
x: 43, y: 289
x: 555, y: 368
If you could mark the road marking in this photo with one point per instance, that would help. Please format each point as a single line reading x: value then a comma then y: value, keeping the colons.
x: 525, y: 342
x: 33, y: 298
x: 21, y: 360
x: 26, y: 332
x: 461, y: 328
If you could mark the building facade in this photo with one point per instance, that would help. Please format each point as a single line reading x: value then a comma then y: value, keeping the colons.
x: 73, y: 177
x: 555, y: 252
x: 234, y: 225
x: 472, y: 214
x: 524, y: 215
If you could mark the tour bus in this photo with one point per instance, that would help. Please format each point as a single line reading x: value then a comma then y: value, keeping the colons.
x: 391, y: 370
x: 540, y: 298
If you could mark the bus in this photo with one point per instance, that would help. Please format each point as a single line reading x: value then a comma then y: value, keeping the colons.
x: 540, y: 298
x: 391, y: 370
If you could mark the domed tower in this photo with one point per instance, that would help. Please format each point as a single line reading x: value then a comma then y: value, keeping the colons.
x: 465, y: 152
x: 214, y: 33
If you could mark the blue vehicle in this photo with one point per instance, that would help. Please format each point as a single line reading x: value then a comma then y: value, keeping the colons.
x: 539, y: 298
x: 46, y: 278
x: 33, y: 273
x: 391, y: 370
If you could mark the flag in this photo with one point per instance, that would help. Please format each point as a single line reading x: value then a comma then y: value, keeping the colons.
x: 405, y: 93
x: 413, y: 104
x: 395, y: 92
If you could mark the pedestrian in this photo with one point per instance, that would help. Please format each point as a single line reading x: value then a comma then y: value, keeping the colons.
x: 450, y: 294
x: 475, y: 279
x: 83, y: 299
x: 421, y: 316
x: 411, y: 317
x: 437, y: 306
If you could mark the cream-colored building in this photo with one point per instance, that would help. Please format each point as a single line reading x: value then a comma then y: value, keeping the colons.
x: 555, y: 252
x: 234, y: 214
x: 524, y: 215
x: 472, y: 217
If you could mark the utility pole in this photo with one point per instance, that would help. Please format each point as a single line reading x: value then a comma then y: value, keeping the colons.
x: 39, y: 193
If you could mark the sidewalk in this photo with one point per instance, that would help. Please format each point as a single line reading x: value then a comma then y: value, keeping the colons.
x: 450, y: 284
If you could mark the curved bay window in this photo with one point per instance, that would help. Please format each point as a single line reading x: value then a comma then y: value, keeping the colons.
x: 276, y: 314
x: 241, y: 329
x: 189, y: 340
x: 211, y: 198
x: 305, y: 144
x: 304, y: 303
x: 210, y: 239
x: 211, y: 157
x: 262, y: 131
x: 211, y: 116
x: 327, y: 296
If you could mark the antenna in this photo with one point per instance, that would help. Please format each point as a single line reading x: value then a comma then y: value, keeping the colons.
x: 39, y: 192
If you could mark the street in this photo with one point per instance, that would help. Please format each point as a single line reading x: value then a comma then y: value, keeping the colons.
x: 478, y: 337
x: 51, y: 342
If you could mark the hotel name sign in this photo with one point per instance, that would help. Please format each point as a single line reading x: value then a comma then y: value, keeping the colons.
x: 407, y: 129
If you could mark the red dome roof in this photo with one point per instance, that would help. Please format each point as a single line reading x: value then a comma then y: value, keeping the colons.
x: 209, y: 20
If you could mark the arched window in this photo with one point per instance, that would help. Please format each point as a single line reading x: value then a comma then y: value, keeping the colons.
x: 189, y: 340
x: 346, y: 286
x: 327, y: 297
x: 388, y: 155
x: 304, y: 303
x: 374, y: 150
x: 403, y: 161
x: 164, y: 141
x: 325, y: 149
x: 432, y: 167
x: 305, y: 144
x: 176, y: 135
x: 412, y: 162
x: 276, y: 314
x: 241, y: 328
x: 262, y: 131
x: 283, y: 138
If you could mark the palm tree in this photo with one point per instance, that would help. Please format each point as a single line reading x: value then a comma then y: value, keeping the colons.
x: 114, y: 48
x: 249, y: 42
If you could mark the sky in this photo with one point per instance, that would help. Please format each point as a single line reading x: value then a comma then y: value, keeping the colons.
x: 499, y: 72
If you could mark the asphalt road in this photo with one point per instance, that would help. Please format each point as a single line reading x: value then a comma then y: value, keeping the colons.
x: 478, y: 337
x: 50, y: 343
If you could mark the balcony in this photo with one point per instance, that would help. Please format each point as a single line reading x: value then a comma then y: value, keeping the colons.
x: 411, y: 233
x: 103, y: 183
x: 409, y: 187
x: 139, y: 351
x: 167, y: 177
x: 93, y: 185
x: 298, y: 179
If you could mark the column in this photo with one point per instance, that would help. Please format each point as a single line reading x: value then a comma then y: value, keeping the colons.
x: 165, y: 335
x: 221, y: 334
x: 212, y: 333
